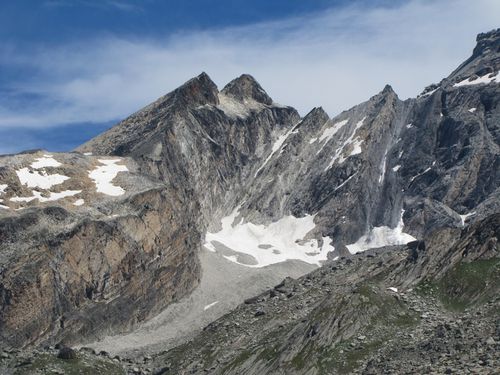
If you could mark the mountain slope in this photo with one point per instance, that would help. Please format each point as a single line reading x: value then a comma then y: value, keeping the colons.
x: 393, y: 309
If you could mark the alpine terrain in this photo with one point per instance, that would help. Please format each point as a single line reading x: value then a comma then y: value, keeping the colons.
x: 219, y: 232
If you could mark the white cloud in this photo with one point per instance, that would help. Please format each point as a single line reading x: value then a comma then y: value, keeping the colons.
x: 333, y: 59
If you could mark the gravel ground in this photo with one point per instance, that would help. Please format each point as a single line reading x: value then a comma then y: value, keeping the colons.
x: 223, y: 281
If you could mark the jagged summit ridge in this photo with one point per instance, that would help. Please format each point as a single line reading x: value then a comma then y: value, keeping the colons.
x: 199, y: 90
x: 246, y: 87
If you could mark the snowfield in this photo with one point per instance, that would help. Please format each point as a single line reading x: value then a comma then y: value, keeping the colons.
x: 39, y: 180
x: 42, y: 180
x: 269, y: 244
x: 382, y: 236
x: 45, y: 161
x: 103, y: 177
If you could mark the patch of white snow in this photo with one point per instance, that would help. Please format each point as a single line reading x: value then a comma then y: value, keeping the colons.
x: 329, y: 132
x: 382, y: 236
x: 45, y: 161
x: 51, y: 197
x: 276, y: 242
x: 355, y: 142
x: 487, y: 78
x: 42, y: 180
x: 210, y: 305
x: 463, y: 218
x: 78, y: 202
x: 345, y: 182
x: 276, y: 147
x: 103, y: 177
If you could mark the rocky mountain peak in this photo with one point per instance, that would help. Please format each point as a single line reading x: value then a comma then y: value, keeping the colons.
x: 487, y: 43
x: 198, y: 91
x: 387, y: 90
x: 245, y: 88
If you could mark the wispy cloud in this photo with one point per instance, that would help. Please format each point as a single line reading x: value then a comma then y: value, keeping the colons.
x: 333, y: 59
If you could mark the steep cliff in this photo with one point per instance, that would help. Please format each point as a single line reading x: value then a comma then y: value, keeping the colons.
x: 87, y: 246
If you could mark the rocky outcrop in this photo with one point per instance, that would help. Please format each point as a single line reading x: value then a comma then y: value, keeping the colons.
x: 204, y: 146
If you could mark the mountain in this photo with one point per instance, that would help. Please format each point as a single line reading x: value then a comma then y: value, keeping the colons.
x: 100, y: 239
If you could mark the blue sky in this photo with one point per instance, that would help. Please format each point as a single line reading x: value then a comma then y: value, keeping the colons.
x: 71, y: 68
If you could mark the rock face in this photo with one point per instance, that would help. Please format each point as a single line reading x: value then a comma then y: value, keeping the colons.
x: 71, y: 271
x: 248, y: 178
x: 382, y: 173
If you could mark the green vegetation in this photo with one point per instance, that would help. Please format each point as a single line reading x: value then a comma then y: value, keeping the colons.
x: 465, y: 285
x: 238, y: 361
x: 376, y: 311
x: 299, y: 361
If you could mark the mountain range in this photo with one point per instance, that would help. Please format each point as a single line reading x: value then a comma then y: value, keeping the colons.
x: 385, y: 216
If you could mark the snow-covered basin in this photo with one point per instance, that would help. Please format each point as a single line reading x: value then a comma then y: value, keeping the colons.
x: 264, y: 245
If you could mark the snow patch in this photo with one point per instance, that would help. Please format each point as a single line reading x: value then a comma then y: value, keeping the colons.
x: 420, y: 174
x: 345, y: 182
x: 392, y: 289
x: 463, y: 218
x: 45, y: 161
x: 50, y: 198
x: 87, y: 153
x: 355, y: 142
x: 472, y: 110
x: 429, y: 93
x: 79, y: 202
x: 383, y: 167
x: 42, y: 180
x: 487, y: 78
x: 396, y: 168
x: 329, y: 132
x: 210, y: 305
x: 409, y: 126
x: 382, y: 236
x: 276, y: 242
x: 276, y: 147
x: 104, y: 175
